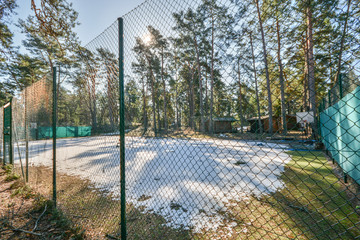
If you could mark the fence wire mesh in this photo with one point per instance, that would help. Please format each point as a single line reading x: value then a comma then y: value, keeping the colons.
x: 32, y: 146
x: 241, y: 121
x: 88, y: 158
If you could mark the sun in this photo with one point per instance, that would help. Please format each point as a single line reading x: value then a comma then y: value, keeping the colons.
x: 147, y: 39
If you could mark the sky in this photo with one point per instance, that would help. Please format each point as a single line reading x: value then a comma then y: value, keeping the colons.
x: 94, y: 16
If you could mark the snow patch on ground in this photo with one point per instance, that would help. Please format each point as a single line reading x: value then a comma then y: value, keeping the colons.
x: 186, y: 181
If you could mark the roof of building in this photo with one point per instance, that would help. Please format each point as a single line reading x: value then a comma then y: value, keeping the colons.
x: 267, y: 116
x: 224, y: 119
x: 256, y: 118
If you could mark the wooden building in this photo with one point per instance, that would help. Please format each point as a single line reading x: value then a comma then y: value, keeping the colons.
x: 221, y: 124
x: 276, y: 123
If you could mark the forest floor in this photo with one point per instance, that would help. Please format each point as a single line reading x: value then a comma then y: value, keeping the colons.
x: 25, y: 214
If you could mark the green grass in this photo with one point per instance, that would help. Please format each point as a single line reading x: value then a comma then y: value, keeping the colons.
x: 312, y: 205
x: 315, y: 199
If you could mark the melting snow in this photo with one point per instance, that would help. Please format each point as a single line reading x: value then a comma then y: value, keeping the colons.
x: 186, y: 181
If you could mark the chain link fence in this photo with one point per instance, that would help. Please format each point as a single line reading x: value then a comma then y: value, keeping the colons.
x: 32, y: 148
x: 227, y: 135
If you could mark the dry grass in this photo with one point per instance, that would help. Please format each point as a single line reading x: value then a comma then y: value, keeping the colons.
x: 98, y: 212
x: 25, y: 214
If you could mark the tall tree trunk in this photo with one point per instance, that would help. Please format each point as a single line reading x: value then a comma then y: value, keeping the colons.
x: 311, y: 75
x: 93, y: 103
x: 176, y: 94
x: 266, y: 69
x: 110, y: 99
x: 177, y: 125
x: 191, y: 103
x: 91, y: 100
x: 202, y: 120
x: 206, y: 95
x: 164, y: 89
x: 152, y: 82
x: 144, y: 107
x: 306, y: 73
x: 281, y: 78
x: 342, y: 42
x: 240, y: 100
x: 158, y: 109
x: 211, y: 130
x: 153, y: 107
x: 256, y: 84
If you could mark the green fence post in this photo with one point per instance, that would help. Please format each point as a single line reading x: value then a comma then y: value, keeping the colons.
x: 318, y: 118
x: 122, y: 128
x: 54, y: 133
x: 340, y: 86
x: 11, y: 159
x: 26, y: 140
x: 329, y: 97
x: 4, y: 152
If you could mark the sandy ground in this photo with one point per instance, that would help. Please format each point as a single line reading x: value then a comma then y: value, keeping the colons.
x: 188, y: 182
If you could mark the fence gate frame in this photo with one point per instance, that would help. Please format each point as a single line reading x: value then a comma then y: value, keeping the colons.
x: 7, y: 134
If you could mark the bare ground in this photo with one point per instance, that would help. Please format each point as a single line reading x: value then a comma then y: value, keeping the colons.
x: 25, y: 214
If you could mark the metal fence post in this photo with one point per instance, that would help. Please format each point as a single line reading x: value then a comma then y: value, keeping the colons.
x: 122, y: 128
x: 26, y: 140
x: 3, y: 136
x: 54, y: 105
x: 4, y: 146
x: 318, y: 119
x: 11, y: 157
